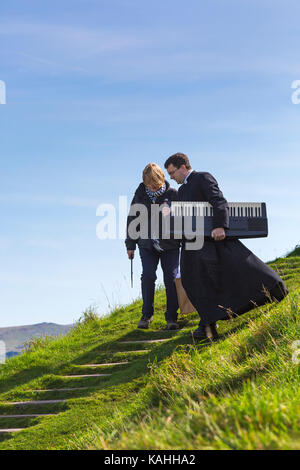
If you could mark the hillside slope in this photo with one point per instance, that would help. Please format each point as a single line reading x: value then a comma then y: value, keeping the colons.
x: 104, y: 386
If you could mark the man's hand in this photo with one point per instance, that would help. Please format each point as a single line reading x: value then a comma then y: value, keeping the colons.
x: 218, y: 234
x: 130, y: 254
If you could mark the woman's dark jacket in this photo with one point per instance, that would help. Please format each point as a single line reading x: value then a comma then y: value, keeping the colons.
x: 141, y: 197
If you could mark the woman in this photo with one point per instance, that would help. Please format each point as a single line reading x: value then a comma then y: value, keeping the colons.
x: 154, y: 247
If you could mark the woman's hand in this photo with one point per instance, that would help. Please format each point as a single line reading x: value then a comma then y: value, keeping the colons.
x: 130, y: 254
x: 166, y: 210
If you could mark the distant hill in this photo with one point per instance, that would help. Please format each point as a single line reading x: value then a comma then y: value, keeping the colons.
x: 15, y: 336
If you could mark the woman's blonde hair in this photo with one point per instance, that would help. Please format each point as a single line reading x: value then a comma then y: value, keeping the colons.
x: 153, y: 175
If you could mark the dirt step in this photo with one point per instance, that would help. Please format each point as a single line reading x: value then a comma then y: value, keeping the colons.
x: 34, y: 402
x: 57, y: 389
x: 2, y: 431
x: 26, y: 416
x: 145, y: 341
x: 84, y: 375
x: 128, y: 352
x: 106, y: 364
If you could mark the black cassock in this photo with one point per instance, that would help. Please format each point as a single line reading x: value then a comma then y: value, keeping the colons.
x: 224, y: 278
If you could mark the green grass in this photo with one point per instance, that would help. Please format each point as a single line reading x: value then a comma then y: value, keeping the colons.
x: 241, y: 392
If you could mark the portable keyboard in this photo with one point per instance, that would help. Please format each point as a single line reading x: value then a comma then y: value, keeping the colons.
x: 246, y: 219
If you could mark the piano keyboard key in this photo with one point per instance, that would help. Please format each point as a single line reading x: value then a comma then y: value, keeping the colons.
x: 236, y: 209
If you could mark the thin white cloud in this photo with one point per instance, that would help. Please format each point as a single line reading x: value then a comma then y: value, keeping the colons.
x: 59, y: 48
x: 45, y: 63
x: 46, y: 282
x: 259, y: 191
x: 17, y: 198
x: 73, y: 38
x: 45, y: 244
x: 141, y: 52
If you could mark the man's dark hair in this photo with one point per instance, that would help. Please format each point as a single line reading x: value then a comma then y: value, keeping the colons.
x: 177, y: 160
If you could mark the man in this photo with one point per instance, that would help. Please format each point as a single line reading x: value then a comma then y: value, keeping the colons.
x: 224, y: 278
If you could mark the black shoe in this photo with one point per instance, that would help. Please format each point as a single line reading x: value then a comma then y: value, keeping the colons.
x: 205, y: 332
x: 200, y: 333
x: 213, y: 331
x: 172, y: 325
x: 145, y: 322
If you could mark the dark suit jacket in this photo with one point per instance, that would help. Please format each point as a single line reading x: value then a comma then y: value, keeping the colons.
x: 202, y: 186
x: 224, y: 278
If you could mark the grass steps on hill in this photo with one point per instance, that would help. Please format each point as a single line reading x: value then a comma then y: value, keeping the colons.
x: 9, y: 420
x: 122, y: 410
x: 72, y: 389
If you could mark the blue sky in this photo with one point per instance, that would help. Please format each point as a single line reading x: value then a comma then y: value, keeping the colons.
x: 98, y: 89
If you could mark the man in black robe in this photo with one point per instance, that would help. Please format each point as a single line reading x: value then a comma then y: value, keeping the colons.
x: 224, y: 278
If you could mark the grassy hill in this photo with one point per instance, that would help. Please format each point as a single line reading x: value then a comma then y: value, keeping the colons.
x: 241, y: 392
x: 15, y: 336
